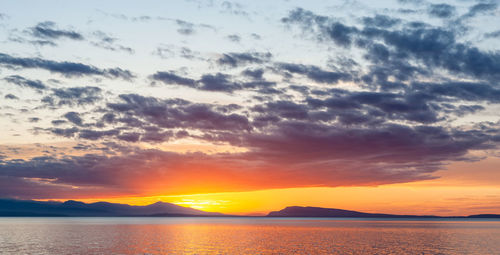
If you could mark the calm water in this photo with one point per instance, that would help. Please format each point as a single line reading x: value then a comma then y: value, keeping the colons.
x: 245, y: 236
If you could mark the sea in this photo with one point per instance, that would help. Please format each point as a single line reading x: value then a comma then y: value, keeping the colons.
x: 246, y: 235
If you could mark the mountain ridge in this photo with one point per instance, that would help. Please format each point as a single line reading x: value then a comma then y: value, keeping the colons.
x: 310, y: 211
x: 72, y: 208
x: 31, y: 208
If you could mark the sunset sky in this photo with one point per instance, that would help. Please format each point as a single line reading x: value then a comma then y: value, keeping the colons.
x: 246, y: 107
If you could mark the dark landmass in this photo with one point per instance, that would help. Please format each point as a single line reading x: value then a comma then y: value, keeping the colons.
x: 477, y: 216
x: 70, y: 208
x: 299, y: 211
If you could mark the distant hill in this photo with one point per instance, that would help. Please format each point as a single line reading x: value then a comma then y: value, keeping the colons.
x: 299, y: 211
x: 71, y: 208
x: 13, y: 207
x: 486, y: 216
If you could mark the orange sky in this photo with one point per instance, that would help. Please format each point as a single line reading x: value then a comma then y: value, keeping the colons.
x: 463, y: 188
x: 459, y: 191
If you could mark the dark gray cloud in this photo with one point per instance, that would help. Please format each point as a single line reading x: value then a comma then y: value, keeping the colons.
x: 149, y: 119
x: 342, y: 34
x: 171, y: 51
x: 416, y: 2
x: 481, y: 8
x: 234, y: 38
x: 46, y: 34
x: 233, y: 8
x: 188, y: 28
x: 177, y: 113
x: 36, y: 42
x: 382, y: 21
x: 442, y: 10
x: 255, y: 36
x: 433, y: 47
x: 92, y: 134
x: 73, y: 96
x: 494, y: 34
x: 464, y: 91
x: 23, y: 82
x: 284, y: 109
x: 234, y: 59
x: 390, y: 153
x: 58, y: 122
x: 217, y: 82
x: 74, y: 118
x: 48, y: 30
x: 108, y: 42
x: 314, y: 73
x: 256, y: 74
x: 69, y: 69
x: 172, y: 78
x: 10, y: 96
x: 185, y: 28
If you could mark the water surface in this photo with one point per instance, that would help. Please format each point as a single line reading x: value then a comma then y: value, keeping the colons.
x: 247, y: 236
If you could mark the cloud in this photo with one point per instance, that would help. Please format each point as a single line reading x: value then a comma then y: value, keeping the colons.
x: 234, y: 38
x: 314, y: 73
x: 284, y: 109
x: 441, y: 10
x: 48, y: 30
x: 148, y: 119
x: 494, y: 34
x: 233, y: 8
x: 73, y: 96
x: 467, y: 91
x: 432, y: 47
x: 46, y: 33
x: 369, y: 113
x: 480, y: 8
x: 382, y: 21
x: 10, y: 96
x: 171, y: 51
x: 23, y: 82
x: 188, y: 28
x: 234, y: 59
x: 177, y: 113
x: 217, y: 82
x: 74, y: 118
x: 256, y: 74
x: 107, y: 42
x: 185, y: 28
x: 278, y: 158
x: 69, y: 69
x: 172, y: 78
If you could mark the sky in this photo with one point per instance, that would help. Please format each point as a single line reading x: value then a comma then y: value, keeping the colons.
x: 246, y: 107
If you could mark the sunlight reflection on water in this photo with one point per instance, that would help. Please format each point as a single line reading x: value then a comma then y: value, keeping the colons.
x: 245, y: 236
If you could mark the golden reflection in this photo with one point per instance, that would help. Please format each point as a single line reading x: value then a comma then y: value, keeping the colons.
x: 245, y: 236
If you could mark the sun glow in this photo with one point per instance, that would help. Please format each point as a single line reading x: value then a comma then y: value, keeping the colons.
x: 427, y: 197
x: 205, y: 205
